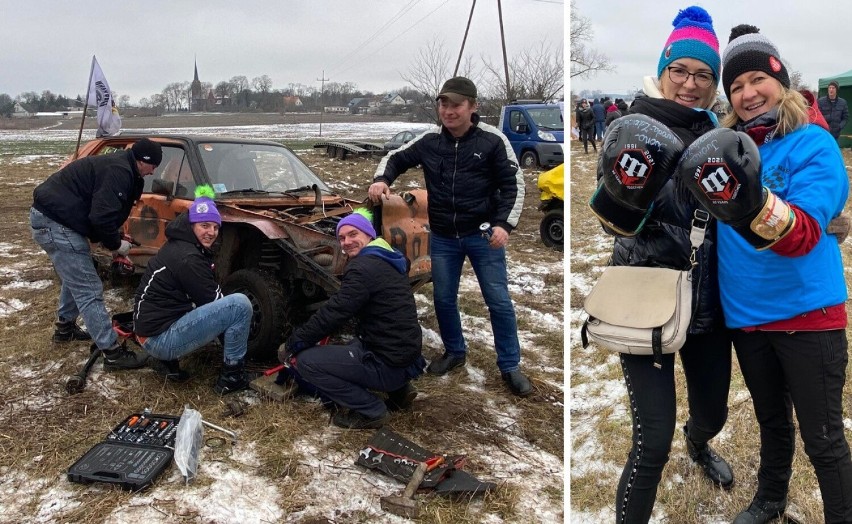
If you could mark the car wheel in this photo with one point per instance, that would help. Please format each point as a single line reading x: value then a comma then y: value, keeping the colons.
x: 270, y: 304
x: 529, y: 160
x: 552, y: 229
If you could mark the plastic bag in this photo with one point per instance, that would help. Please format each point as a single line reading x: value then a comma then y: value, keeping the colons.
x: 188, y: 441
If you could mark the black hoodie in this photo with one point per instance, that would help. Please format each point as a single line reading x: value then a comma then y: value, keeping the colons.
x: 179, y: 278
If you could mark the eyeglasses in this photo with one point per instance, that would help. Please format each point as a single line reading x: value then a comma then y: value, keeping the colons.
x: 679, y: 75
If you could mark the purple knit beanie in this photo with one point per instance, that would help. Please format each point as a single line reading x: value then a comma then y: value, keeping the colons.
x: 203, y: 208
x: 360, y: 221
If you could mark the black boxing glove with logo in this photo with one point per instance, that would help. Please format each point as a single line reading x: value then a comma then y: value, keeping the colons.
x: 638, y: 156
x: 722, y: 170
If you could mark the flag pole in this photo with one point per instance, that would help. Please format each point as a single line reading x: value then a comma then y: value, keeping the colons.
x: 85, y: 108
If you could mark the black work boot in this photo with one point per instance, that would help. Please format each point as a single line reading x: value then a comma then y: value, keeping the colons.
x: 354, y: 420
x: 714, y: 466
x: 518, y: 383
x: 232, y: 378
x: 401, y: 398
x: 169, y: 369
x: 447, y: 362
x: 761, y: 511
x: 69, y: 332
x: 119, y: 357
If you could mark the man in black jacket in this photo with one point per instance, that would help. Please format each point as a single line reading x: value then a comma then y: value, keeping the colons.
x: 385, y: 355
x: 89, y: 200
x: 834, y: 109
x: 179, y: 307
x: 473, y: 178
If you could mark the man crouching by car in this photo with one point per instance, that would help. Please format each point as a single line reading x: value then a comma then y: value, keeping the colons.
x: 385, y: 355
x: 179, y: 307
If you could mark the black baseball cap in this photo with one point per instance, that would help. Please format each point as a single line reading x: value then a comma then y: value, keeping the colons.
x: 458, y: 88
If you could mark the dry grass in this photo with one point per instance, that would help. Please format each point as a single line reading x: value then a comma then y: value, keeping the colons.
x: 600, y: 424
x: 45, y: 430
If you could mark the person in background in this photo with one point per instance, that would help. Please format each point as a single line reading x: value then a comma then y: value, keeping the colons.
x: 834, y: 109
x: 612, y: 113
x: 179, y: 307
x: 586, y: 123
x: 678, y: 97
x: 385, y: 355
x: 599, y: 110
x: 781, y: 277
x: 473, y: 178
x: 88, y: 200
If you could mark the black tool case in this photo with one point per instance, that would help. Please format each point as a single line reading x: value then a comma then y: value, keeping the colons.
x: 132, y: 456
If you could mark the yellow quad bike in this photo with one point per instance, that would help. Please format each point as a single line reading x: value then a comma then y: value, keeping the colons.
x: 552, y: 186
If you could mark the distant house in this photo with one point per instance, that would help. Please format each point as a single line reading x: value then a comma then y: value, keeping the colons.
x: 393, y: 99
x: 292, y: 102
x: 19, y: 111
x: 336, y: 109
x: 358, y: 105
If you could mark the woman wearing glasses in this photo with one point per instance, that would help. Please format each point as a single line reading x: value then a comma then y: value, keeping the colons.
x: 679, y: 96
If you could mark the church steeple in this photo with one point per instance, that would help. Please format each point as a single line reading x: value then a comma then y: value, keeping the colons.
x: 197, y: 102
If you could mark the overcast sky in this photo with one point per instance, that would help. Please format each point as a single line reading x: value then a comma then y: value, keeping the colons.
x: 813, y: 36
x: 143, y: 46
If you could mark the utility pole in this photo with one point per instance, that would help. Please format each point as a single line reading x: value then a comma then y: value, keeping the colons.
x: 322, y: 81
x: 509, y: 96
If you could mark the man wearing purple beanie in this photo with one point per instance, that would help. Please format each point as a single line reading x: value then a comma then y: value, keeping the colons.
x: 386, y: 353
x: 179, y: 306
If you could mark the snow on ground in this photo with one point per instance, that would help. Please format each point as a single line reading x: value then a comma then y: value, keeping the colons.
x: 236, y: 494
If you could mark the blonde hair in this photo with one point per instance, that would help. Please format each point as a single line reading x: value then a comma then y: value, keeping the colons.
x: 792, y: 112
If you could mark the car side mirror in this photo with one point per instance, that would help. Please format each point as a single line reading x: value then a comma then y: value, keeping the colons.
x: 162, y: 187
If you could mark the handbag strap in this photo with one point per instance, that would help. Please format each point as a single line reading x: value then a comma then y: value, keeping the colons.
x: 700, y: 220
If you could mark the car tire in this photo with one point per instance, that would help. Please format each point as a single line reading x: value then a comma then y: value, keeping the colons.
x: 270, y: 303
x: 529, y: 160
x: 552, y: 229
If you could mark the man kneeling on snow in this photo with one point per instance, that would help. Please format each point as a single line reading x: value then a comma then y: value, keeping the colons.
x: 386, y: 354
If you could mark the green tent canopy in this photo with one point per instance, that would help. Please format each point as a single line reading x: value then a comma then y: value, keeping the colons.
x: 844, y: 80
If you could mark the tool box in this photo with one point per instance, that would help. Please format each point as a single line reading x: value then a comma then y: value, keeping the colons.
x: 132, y: 456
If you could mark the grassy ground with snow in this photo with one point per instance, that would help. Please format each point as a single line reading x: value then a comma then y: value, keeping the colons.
x: 600, y: 422
x: 289, y: 464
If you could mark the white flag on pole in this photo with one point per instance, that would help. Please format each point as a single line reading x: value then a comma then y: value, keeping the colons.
x: 109, y: 121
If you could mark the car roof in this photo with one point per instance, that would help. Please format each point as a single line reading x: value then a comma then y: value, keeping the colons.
x: 189, y: 137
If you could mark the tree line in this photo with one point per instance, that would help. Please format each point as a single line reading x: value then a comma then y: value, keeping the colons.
x: 536, y: 73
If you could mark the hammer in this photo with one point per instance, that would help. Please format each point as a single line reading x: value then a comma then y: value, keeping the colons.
x: 405, y: 506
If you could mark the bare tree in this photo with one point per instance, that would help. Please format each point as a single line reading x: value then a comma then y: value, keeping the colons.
x: 262, y: 84
x: 432, y: 66
x: 536, y: 73
x: 241, y: 89
x: 585, y: 61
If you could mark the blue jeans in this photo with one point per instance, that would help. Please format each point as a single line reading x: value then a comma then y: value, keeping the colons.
x: 81, y: 291
x: 230, y: 315
x: 489, y: 264
x: 600, y: 129
x: 345, y: 373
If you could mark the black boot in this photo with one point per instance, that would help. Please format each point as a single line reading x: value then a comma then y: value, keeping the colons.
x: 714, y: 466
x: 443, y: 365
x: 232, y: 378
x: 354, y: 420
x: 119, y: 357
x: 169, y: 369
x: 518, y: 383
x: 69, y: 332
x: 401, y: 398
x: 761, y: 511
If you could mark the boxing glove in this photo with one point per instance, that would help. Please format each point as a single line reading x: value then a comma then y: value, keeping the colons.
x: 722, y: 170
x: 638, y: 156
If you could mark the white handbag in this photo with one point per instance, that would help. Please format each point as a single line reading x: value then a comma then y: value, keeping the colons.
x: 643, y: 310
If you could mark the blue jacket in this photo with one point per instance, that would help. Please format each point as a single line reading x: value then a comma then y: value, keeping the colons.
x: 803, y: 168
x: 600, y: 112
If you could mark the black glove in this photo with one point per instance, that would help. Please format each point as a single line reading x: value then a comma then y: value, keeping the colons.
x: 290, y: 348
x: 638, y: 156
x: 722, y: 170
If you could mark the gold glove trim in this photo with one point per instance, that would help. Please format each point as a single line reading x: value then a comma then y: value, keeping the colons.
x: 775, y: 220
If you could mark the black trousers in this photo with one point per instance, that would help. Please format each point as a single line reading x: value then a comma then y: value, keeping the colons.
x: 706, y: 363
x: 588, y: 135
x: 806, y: 371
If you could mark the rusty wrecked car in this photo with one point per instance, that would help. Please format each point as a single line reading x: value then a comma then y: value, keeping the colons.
x: 277, y: 243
